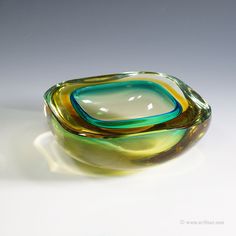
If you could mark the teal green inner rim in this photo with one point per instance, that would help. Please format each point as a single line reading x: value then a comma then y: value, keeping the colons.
x: 130, y: 123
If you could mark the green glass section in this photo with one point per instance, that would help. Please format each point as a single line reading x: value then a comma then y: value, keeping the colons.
x: 123, y: 153
x: 129, y: 104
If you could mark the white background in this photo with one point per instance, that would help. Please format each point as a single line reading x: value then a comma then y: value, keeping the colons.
x: 45, y: 42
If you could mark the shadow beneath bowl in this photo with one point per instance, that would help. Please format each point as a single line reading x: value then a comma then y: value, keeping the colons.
x: 60, y: 162
x: 28, y: 151
x: 19, y: 157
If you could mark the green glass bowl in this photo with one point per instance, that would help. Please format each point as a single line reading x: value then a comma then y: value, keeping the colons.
x: 126, y: 121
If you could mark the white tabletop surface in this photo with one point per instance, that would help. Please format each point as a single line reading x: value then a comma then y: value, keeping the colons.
x: 45, y: 42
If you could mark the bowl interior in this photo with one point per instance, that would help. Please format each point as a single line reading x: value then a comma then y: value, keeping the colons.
x: 125, y: 101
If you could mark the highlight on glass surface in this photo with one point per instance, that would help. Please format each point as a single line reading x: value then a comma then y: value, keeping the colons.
x: 126, y: 121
